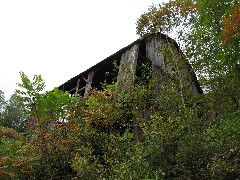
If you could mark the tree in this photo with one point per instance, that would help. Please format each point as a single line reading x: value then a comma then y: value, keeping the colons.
x: 92, y: 138
x: 13, y: 115
x: 207, y: 30
x: 2, y: 102
x: 209, y: 35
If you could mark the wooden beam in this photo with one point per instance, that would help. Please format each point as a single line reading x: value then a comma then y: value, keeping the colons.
x: 76, y: 92
x: 88, y: 86
x: 127, y: 68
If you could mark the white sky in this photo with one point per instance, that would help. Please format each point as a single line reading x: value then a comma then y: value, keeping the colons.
x: 59, y: 39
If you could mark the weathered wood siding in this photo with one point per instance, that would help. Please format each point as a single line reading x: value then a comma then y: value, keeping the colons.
x: 127, y: 68
x: 126, y: 77
x: 156, y: 57
x: 153, y: 52
x: 168, y: 63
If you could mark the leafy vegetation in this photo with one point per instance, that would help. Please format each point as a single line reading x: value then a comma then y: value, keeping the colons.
x: 168, y: 133
x: 11, y: 113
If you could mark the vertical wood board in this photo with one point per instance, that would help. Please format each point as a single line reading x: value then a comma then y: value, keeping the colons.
x: 153, y: 52
x: 89, y: 84
x: 127, y: 68
x: 174, y: 67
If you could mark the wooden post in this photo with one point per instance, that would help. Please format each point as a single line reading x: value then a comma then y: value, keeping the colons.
x: 89, y: 84
x: 127, y: 68
x: 76, y: 92
x: 126, y: 76
x: 154, y: 54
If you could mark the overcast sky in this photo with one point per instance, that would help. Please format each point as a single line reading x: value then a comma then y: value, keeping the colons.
x: 60, y: 39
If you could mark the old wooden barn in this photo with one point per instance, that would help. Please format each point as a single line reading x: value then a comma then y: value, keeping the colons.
x: 162, y: 52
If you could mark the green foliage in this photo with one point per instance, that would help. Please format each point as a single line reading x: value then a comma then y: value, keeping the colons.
x: 11, y: 113
x: 207, y: 147
x: 207, y: 30
x: 2, y: 101
x: 135, y: 134
x: 31, y: 92
x: 154, y: 130
x: 167, y: 16
x: 10, y: 143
